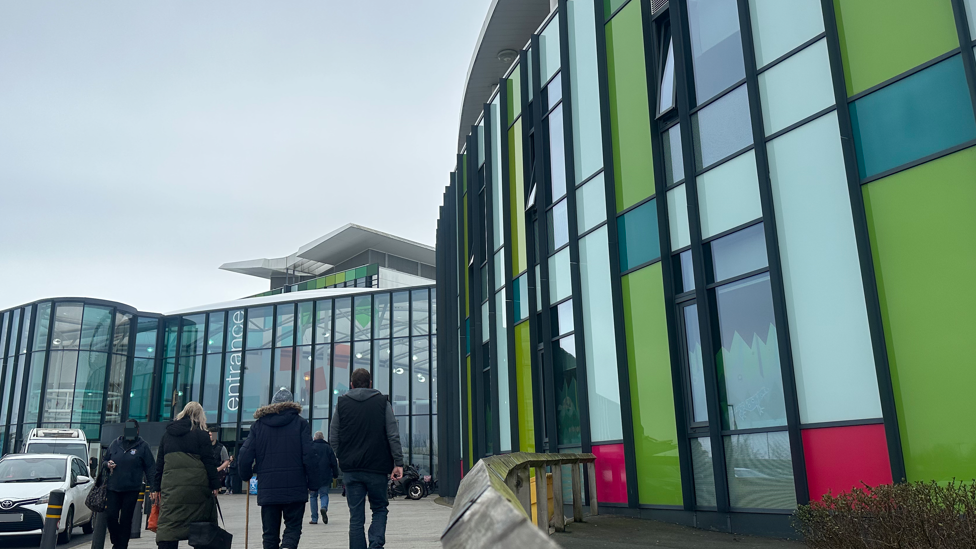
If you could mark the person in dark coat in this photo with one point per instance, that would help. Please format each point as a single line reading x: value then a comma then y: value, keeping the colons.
x: 130, y: 462
x: 324, y: 468
x: 233, y: 480
x: 277, y: 449
x: 186, y: 482
x: 366, y: 438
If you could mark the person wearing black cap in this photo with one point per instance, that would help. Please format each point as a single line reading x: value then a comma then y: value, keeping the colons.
x: 130, y: 462
x: 277, y: 449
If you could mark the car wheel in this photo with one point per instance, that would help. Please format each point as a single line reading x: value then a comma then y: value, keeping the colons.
x: 89, y: 526
x: 415, y: 491
x: 65, y: 537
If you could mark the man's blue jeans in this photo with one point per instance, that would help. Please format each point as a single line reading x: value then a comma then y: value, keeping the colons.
x: 359, y: 486
x: 313, y: 500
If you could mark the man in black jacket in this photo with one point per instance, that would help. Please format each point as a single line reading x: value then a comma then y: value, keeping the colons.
x: 366, y: 439
x: 324, y: 469
x: 280, y: 443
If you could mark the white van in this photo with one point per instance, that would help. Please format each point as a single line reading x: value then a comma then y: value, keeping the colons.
x: 70, y: 442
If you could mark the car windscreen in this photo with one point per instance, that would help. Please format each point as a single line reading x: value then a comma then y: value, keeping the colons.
x: 32, y: 470
x: 77, y: 450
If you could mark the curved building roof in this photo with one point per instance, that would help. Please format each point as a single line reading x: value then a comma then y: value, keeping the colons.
x: 508, y: 26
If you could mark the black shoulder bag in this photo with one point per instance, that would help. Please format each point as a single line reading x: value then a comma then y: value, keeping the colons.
x: 207, y: 535
x: 97, y: 499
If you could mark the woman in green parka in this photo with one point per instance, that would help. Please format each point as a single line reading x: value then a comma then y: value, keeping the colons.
x: 186, y: 482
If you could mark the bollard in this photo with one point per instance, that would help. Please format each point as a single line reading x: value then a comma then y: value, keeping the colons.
x: 101, y: 526
x: 49, y: 537
x: 136, y: 531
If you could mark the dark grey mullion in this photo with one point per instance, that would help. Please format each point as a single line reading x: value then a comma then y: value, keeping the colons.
x: 508, y: 279
x: 541, y: 181
x: 654, y: 69
x: 158, y: 367
x: 239, y: 429
x: 223, y: 365
x: 460, y: 296
x: 966, y: 40
x: 862, y: 236
x: 490, y: 265
x: 24, y: 371
x: 684, y: 77
x: 176, y: 367
x: 12, y: 339
x: 474, y: 289
x: 108, y: 365
x: 582, y: 385
x: 775, y: 264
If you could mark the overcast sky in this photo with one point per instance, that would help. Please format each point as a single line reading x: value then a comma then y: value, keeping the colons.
x: 144, y: 143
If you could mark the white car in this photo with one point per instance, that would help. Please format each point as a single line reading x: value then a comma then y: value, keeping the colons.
x: 26, y: 482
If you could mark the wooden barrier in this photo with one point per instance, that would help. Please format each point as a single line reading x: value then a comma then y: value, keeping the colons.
x: 492, y: 505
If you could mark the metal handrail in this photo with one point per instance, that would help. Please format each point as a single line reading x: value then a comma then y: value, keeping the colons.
x: 482, y: 518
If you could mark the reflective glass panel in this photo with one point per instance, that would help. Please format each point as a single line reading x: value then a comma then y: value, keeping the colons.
x: 738, y: 253
x: 188, y: 386
x: 215, y: 332
x: 562, y: 318
x: 557, y: 155
x: 257, y: 381
x: 796, y: 88
x: 281, y: 368
x: 43, y: 324
x: 554, y: 91
x: 678, y: 218
x: 362, y: 324
x: 146, y: 335
x: 971, y: 15
x: 401, y: 376
x: 585, y: 85
x: 549, y: 50
x: 567, y: 401
x: 485, y: 326
x: 323, y: 322
x: 381, y: 365
x: 716, y: 46
x: 701, y: 464
x: 381, y: 314
x: 362, y: 356
x: 750, y: 380
x: 343, y: 319
x: 760, y: 471
x: 687, y: 271
x: 599, y: 331
x: 401, y: 314
x: 520, y: 292
x: 67, y: 326
x: 674, y: 166
x: 259, y: 320
x: 833, y: 357
x: 779, y: 27
x: 504, y: 399
x: 341, y: 362
x: 558, y: 226
x: 925, y: 113
x: 722, y: 128
x: 498, y: 262
x: 304, y: 324
x: 638, y: 236
x: 591, y: 204
x: 667, y: 82
x: 728, y: 196
x: 321, y: 372
x: 285, y: 328
x: 560, y: 282
x: 303, y: 378
x: 497, y: 202
x: 696, y: 368
x: 193, y: 336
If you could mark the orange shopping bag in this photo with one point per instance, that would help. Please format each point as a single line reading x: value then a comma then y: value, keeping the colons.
x: 153, y: 518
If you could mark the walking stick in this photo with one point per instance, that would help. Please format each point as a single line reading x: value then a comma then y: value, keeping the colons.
x: 247, y: 514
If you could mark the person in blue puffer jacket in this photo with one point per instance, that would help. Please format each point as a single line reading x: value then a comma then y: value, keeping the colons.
x: 278, y: 449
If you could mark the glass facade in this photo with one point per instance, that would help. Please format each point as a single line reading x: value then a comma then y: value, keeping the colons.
x: 721, y: 217
x: 91, y: 362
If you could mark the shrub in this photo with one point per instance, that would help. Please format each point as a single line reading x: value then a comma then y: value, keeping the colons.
x: 906, y: 515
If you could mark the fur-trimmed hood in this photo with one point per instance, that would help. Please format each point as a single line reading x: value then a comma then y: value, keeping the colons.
x: 280, y: 408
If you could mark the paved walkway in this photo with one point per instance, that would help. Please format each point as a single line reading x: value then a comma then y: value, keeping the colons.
x: 615, y: 532
x: 411, y: 525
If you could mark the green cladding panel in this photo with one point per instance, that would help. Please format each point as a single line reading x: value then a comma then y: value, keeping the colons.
x: 629, y: 115
x: 523, y: 378
x: 516, y: 197
x: 922, y: 224
x: 652, y: 399
x: 881, y: 39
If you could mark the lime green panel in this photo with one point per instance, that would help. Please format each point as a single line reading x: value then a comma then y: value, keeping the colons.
x: 652, y: 399
x: 880, y: 39
x: 922, y: 224
x: 340, y: 278
x: 517, y: 197
x: 610, y: 6
x: 523, y: 379
x: 514, y: 94
x: 330, y: 280
x: 470, y: 420
x: 629, y: 115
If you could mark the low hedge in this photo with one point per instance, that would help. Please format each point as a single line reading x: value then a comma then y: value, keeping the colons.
x: 904, y: 515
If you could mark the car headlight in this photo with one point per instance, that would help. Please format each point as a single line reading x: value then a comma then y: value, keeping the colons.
x: 43, y: 499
